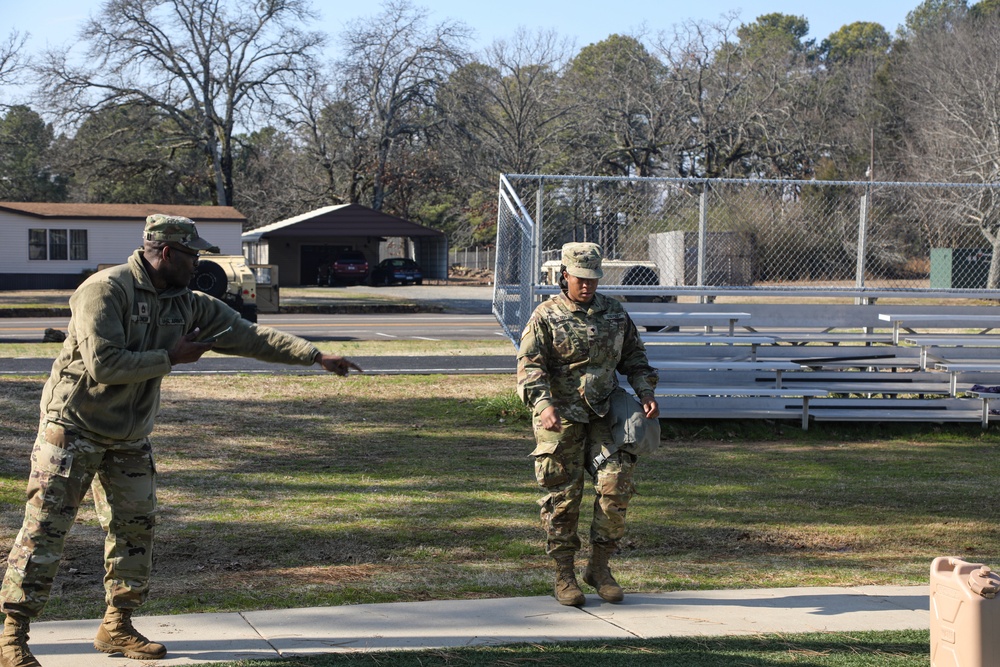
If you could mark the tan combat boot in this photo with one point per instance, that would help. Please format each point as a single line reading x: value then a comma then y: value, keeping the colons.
x: 598, y: 575
x: 14, y: 651
x: 116, y: 635
x: 567, y: 591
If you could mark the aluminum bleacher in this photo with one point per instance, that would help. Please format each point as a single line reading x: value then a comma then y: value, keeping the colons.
x: 823, y: 362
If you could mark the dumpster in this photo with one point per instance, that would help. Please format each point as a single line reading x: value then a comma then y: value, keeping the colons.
x: 965, y: 614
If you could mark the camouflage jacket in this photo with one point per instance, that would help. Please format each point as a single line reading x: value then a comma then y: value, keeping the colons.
x: 569, y: 355
x: 105, y: 382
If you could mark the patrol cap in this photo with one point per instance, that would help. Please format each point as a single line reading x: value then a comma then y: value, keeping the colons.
x: 582, y: 260
x: 176, y: 230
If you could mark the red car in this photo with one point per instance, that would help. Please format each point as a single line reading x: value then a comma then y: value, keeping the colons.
x: 350, y: 267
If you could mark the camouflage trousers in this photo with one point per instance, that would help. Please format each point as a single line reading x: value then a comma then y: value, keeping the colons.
x: 561, y: 461
x: 123, y: 480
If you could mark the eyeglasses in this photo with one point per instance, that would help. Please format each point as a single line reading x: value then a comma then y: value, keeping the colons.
x: 184, y: 251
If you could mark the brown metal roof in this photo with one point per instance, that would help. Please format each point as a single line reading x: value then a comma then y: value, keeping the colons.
x: 342, y: 220
x: 129, y: 212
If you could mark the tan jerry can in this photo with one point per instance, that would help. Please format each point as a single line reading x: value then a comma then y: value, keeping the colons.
x: 965, y: 614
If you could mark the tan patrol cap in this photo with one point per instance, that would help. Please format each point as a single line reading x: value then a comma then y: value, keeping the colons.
x: 177, y: 230
x: 583, y: 260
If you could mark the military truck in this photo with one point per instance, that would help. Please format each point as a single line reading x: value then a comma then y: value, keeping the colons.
x: 616, y: 272
x: 230, y: 279
x: 247, y: 288
x: 624, y: 273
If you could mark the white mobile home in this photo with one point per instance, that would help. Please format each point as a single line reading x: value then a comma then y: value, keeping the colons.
x: 55, y: 246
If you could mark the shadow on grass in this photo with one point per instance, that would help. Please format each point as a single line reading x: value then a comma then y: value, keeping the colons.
x: 862, y: 649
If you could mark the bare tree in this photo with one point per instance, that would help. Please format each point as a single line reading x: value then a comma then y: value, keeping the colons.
x: 393, y: 66
x: 620, y: 119
x: 951, y: 85
x: 505, y: 112
x: 854, y: 124
x: 11, y: 57
x: 741, y: 105
x: 207, y: 65
x: 12, y: 61
x: 331, y: 134
x: 706, y: 86
x: 274, y: 178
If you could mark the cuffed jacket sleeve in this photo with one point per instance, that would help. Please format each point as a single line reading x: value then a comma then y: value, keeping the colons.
x: 250, y: 340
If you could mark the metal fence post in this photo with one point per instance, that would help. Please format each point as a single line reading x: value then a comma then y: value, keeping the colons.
x: 536, y: 244
x: 859, y: 278
x: 702, y: 238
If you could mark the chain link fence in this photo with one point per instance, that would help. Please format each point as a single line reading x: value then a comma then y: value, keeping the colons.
x: 473, y: 258
x: 664, y: 238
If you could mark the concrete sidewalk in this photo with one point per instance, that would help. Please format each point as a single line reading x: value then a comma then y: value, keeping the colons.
x: 201, y: 638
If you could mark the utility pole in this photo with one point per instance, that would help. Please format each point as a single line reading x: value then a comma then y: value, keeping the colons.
x: 871, y: 158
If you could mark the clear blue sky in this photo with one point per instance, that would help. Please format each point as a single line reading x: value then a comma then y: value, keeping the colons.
x: 55, y: 22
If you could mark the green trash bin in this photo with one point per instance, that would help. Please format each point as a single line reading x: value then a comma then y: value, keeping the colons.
x: 960, y: 268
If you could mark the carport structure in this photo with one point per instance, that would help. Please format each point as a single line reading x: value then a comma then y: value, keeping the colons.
x: 300, y: 245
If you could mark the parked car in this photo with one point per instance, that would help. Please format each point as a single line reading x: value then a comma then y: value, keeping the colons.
x: 349, y: 267
x: 397, y: 270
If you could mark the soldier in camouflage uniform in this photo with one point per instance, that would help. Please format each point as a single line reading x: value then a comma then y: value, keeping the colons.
x: 130, y: 325
x: 569, y: 353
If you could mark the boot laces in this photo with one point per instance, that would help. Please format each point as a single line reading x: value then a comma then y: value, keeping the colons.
x: 567, y: 576
x: 18, y: 634
x: 129, y: 629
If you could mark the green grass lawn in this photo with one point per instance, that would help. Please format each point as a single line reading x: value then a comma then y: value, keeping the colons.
x: 296, y: 491
x: 290, y: 491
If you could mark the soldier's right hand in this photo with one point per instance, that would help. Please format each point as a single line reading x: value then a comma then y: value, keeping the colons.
x: 187, y: 350
x: 550, y: 420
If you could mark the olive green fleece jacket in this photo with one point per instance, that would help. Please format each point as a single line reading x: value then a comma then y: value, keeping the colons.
x: 105, y: 383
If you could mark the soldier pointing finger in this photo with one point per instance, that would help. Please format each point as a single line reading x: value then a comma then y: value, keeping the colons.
x: 129, y: 326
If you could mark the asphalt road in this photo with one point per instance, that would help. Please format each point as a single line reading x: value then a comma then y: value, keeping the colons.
x: 376, y: 365
x: 466, y: 318
x: 417, y: 326
x: 316, y: 327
